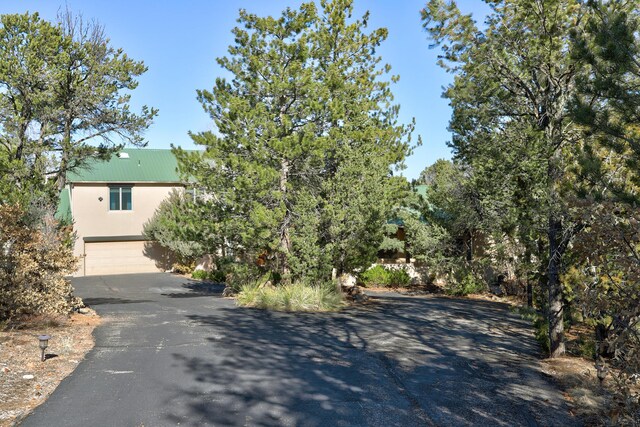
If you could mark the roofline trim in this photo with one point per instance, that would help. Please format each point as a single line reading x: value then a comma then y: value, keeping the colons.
x: 137, y: 238
x: 128, y: 182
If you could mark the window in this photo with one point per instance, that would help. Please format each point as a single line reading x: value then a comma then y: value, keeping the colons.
x: 120, y: 198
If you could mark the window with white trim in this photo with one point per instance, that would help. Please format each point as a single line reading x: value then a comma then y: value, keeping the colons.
x: 120, y: 198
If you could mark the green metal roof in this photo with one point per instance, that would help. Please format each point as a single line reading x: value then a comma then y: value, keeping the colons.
x: 63, y: 213
x: 422, y: 190
x: 131, y: 165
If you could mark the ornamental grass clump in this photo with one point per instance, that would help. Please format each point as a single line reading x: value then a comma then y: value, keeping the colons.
x: 296, y: 296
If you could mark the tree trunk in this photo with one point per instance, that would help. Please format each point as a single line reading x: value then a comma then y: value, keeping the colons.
x: 285, y: 240
x: 61, y: 179
x: 602, y: 347
x: 529, y: 262
x: 556, y: 308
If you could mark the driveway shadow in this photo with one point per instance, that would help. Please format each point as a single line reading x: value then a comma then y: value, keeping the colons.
x: 194, y: 289
x: 90, y: 302
x: 403, y: 361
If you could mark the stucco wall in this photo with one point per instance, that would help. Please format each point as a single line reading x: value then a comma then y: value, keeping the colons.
x: 92, y: 217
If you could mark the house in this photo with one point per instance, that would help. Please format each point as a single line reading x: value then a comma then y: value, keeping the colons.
x: 110, y: 201
x: 396, y: 252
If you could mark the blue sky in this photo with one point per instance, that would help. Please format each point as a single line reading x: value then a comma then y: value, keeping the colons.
x: 179, y: 41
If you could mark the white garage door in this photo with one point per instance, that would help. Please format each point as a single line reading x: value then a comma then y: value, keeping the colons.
x: 123, y: 258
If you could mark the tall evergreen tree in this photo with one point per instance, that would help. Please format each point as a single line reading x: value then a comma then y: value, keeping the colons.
x: 511, y: 120
x: 307, y: 137
x: 63, y: 100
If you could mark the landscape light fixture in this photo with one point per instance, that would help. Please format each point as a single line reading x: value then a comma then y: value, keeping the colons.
x: 44, y: 343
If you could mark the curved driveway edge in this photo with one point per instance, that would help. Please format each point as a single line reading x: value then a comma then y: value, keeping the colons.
x: 173, y: 352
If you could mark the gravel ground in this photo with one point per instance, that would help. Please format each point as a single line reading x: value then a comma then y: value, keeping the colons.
x: 26, y: 381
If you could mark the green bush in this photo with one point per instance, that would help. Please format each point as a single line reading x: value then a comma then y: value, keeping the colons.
x: 540, y: 326
x: 379, y: 276
x: 375, y: 276
x: 216, y: 276
x: 464, y: 282
x: 399, y: 278
x: 297, y: 296
x: 200, y: 274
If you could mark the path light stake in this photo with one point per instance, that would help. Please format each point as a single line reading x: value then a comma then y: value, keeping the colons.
x: 44, y: 343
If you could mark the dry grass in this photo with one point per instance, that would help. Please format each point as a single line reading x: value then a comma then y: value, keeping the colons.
x: 292, y: 297
x: 71, y: 339
x: 582, y: 390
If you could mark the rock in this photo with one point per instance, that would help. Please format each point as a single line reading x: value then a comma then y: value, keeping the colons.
x: 347, y: 281
x: 228, y: 292
x: 360, y: 297
x: 5, y: 370
x: 27, y: 377
x: 84, y: 310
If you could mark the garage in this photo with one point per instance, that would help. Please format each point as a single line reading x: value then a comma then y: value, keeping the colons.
x: 102, y: 257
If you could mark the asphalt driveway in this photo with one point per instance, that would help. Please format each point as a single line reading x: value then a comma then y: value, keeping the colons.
x: 172, y: 352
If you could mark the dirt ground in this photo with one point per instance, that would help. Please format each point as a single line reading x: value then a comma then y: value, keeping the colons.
x: 26, y: 381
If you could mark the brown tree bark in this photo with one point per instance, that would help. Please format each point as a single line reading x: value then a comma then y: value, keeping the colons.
x: 285, y: 239
x: 556, y: 305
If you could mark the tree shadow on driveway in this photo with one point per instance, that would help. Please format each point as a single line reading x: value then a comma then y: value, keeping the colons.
x: 195, y: 289
x: 92, y: 302
x: 404, y: 361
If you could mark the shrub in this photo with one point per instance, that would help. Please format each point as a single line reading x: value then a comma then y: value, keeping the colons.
x: 35, y: 257
x: 172, y: 227
x: 180, y: 268
x: 375, y: 276
x: 539, y: 323
x: 297, y: 296
x: 464, y: 282
x: 238, y: 275
x: 200, y: 274
x: 384, y: 277
x: 216, y: 276
x: 399, y: 278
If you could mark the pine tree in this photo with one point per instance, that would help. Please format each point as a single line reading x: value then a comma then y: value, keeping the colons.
x: 305, y: 143
x: 511, y: 121
x: 62, y: 101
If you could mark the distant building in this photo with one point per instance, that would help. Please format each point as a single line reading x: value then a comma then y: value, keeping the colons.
x: 109, y: 202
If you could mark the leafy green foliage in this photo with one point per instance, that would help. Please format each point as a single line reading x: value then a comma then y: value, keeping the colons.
x: 178, y: 226
x: 380, y: 276
x: 216, y: 276
x: 605, y: 275
x: 540, y: 326
x: 63, y: 101
x: 512, y: 123
x: 300, y: 166
x: 464, y: 281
